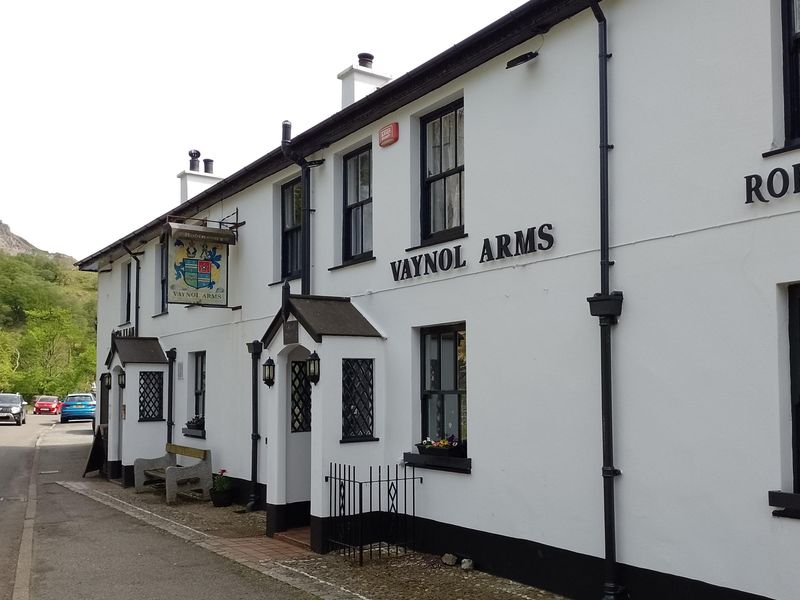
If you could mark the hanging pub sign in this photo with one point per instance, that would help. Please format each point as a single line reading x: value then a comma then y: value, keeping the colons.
x: 199, y: 259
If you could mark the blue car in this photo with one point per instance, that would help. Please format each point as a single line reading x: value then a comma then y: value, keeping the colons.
x: 78, y: 406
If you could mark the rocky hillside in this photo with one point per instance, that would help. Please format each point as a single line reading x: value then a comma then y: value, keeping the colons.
x: 12, y: 244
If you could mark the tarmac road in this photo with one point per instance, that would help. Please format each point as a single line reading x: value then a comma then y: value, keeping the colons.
x: 83, y: 550
x: 16, y: 458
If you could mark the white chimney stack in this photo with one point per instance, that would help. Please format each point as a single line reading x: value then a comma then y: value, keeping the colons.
x: 360, y: 80
x: 193, y: 181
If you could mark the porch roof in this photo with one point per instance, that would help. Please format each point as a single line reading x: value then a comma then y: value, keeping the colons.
x: 322, y: 315
x: 145, y: 350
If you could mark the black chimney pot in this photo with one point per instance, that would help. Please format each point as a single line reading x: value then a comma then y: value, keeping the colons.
x: 208, y: 165
x: 365, y: 60
x: 194, y: 163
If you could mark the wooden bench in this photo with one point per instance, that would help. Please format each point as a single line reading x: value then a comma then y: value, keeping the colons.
x: 148, y: 471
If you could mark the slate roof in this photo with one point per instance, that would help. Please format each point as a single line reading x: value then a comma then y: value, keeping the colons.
x: 323, y: 315
x: 142, y: 350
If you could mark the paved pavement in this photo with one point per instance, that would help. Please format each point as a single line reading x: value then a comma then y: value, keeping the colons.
x: 93, y: 539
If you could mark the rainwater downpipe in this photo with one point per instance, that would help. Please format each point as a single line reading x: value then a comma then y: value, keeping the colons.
x: 607, y: 306
x: 254, y: 348
x: 305, y: 184
x: 135, y: 257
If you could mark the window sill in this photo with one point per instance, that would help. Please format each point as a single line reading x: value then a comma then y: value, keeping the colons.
x: 195, y: 433
x: 358, y: 439
x: 794, y: 145
x: 161, y: 314
x: 787, y: 503
x: 453, y: 464
x: 280, y: 281
x: 440, y: 238
x: 152, y: 420
x: 353, y: 261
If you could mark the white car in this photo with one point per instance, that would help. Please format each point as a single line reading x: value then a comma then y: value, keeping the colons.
x: 12, y: 406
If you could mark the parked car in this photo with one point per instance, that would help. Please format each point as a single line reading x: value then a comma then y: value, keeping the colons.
x: 12, y: 406
x: 78, y: 406
x: 46, y: 405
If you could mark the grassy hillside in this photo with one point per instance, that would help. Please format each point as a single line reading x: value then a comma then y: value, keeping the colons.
x: 47, y: 326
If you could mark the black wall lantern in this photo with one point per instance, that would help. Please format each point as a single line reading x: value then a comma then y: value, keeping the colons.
x: 105, y: 380
x: 268, y: 372
x: 312, y: 368
x: 121, y: 379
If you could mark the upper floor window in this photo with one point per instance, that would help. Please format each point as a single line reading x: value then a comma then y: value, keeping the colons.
x: 163, y: 271
x: 291, y: 225
x: 126, y: 293
x: 442, y: 202
x: 791, y: 69
x: 357, y: 204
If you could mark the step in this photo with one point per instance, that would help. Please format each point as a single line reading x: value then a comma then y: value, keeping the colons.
x: 300, y: 537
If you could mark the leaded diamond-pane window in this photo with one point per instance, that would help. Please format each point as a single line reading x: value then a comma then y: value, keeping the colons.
x: 357, y: 398
x: 301, y: 398
x: 151, y: 396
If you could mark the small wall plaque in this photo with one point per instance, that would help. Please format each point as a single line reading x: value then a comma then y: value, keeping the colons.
x: 290, y: 332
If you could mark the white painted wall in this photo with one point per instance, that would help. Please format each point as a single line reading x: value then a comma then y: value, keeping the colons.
x: 700, y: 354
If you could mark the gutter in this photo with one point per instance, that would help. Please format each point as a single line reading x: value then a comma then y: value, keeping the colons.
x: 607, y: 307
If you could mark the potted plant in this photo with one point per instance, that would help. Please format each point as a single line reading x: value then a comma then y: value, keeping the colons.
x: 196, y: 422
x: 449, y: 446
x: 222, y: 489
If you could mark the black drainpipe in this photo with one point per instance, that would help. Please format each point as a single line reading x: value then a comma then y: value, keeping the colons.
x: 305, y: 184
x: 135, y: 257
x: 607, y: 306
x: 172, y: 354
x: 254, y: 348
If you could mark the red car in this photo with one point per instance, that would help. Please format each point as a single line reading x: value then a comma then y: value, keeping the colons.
x: 47, y: 405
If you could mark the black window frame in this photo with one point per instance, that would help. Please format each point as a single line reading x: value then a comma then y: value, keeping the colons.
x: 163, y: 265
x: 128, y: 275
x: 199, y: 383
x: 291, y: 236
x: 427, y: 235
x: 426, y: 392
x: 794, y: 362
x: 352, y: 406
x: 359, y: 205
x: 791, y: 70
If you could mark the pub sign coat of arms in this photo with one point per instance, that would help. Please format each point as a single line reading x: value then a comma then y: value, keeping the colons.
x: 199, y: 259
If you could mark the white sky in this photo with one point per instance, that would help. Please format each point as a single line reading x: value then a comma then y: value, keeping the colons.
x: 101, y: 100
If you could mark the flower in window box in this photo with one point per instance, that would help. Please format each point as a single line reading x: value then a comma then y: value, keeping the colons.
x: 196, y: 422
x: 449, y: 446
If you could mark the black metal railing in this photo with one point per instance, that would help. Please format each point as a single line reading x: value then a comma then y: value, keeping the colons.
x: 375, y: 516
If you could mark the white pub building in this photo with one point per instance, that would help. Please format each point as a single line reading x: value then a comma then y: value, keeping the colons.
x: 417, y: 266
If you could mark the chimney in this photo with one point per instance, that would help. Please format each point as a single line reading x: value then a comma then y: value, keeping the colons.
x: 193, y: 181
x: 360, y: 80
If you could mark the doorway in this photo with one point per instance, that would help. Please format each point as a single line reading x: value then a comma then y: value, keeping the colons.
x: 298, y: 441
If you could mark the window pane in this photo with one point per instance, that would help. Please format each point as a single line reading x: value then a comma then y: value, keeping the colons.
x: 434, y: 415
x: 463, y: 417
x: 437, y: 206
x: 364, y: 184
x: 460, y: 137
x: 796, y: 11
x: 355, y: 231
x: 431, y: 362
x: 434, y: 147
x: 367, y: 231
x: 448, y: 365
x: 453, y: 207
x: 448, y: 141
x: 462, y: 360
x: 297, y: 191
x: 352, y: 180
x: 452, y: 416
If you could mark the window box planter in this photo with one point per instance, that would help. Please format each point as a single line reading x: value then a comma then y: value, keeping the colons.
x: 454, y: 451
x: 439, y: 462
x: 194, y: 432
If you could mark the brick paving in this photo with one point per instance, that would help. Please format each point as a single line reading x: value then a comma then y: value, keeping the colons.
x: 239, y: 536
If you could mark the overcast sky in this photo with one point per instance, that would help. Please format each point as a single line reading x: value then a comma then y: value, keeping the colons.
x: 101, y: 100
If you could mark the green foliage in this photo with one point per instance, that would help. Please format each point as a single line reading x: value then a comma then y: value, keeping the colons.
x: 47, y: 326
